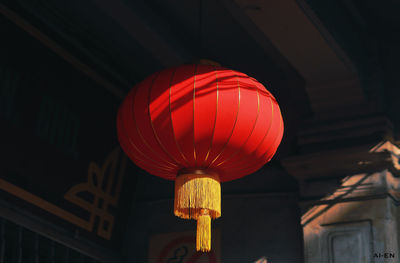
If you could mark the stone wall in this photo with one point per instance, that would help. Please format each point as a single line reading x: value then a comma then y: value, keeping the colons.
x: 358, y: 223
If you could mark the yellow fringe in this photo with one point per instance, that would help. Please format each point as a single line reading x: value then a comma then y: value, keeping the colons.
x: 203, y: 237
x: 195, y: 191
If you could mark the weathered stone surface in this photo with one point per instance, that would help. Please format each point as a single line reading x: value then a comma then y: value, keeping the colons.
x: 357, y: 223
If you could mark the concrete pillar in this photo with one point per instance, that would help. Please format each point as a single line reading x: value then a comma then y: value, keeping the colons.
x: 359, y: 221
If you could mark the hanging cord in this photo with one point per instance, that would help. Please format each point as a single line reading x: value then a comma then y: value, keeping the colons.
x: 200, y: 29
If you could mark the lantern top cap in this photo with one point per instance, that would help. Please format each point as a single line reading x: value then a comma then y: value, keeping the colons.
x: 207, y: 62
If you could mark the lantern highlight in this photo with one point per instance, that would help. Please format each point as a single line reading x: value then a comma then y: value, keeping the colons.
x: 199, y: 125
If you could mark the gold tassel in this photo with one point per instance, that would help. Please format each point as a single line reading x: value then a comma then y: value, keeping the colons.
x: 198, y: 196
x: 203, y: 236
x: 195, y: 191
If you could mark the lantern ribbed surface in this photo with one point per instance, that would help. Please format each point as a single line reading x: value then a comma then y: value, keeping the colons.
x: 200, y: 117
x: 199, y: 125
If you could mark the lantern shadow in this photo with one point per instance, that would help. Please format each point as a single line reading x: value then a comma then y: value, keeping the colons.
x: 209, y: 87
x: 261, y: 260
x: 164, y: 103
x: 333, y: 202
x: 333, y: 210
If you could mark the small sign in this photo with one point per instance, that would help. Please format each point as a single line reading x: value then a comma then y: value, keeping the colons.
x: 181, y: 248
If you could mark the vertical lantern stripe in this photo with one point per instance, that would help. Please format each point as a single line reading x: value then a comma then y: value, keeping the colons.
x: 186, y: 163
x: 215, y: 118
x: 194, y: 119
x: 258, y: 133
x: 205, y: 109
x: 227, y: 111
x: 274, y: 146
x: 246, y: 119
x: 160, y: 115
x: 237, y: 166
x: 137, y: 155
x: 273, y: 133
x: 137, y: 136
x: 144, y: 124
x: 151, y: 121
x: 200, y: 117
x: 182, y: 110
x: 234, y: 124
x: 251, y: 132
x: 147, y: 160
x: 252, y: 166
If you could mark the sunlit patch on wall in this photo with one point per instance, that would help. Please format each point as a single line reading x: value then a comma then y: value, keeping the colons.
x: 261, y: 260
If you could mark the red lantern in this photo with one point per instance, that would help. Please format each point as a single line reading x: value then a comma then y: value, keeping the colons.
x: 199, y: 125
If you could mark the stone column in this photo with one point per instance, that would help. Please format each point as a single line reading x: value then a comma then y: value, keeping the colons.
x: 350, y: 201
x: 357, y: 223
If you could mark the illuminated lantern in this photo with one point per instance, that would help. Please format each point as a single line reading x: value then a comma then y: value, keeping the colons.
x: 199, y: 125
